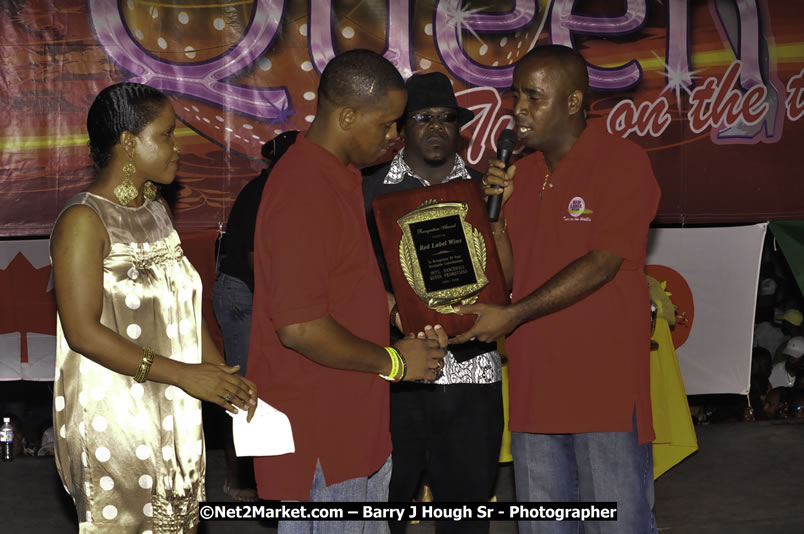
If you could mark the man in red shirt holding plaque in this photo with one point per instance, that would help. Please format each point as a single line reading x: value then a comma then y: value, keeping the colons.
x: 320, y: 309
x: 572, y: 240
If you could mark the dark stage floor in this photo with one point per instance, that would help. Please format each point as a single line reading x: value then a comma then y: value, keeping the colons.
x: 746, y: 478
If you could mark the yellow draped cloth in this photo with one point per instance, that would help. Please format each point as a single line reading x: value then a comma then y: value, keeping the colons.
x: 505, y: 447
x: 672, y: 423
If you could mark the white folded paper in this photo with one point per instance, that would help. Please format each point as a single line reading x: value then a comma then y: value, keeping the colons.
x: 268, y: 433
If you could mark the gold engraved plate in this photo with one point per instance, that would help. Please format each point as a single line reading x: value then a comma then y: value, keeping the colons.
x: 442, y: 256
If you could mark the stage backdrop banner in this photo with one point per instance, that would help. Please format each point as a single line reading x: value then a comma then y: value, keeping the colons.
x: 712, y: 275
x: 28, y: 313
x: 713, y: 90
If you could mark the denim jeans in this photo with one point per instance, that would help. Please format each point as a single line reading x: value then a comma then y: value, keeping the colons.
x: 594, y: 466
x: 231, y: 302
x: 373, y: 488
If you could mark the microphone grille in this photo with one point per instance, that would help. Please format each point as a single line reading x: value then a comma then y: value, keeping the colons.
x: 507, y: 139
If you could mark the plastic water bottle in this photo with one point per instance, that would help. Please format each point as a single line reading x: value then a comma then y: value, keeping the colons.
x: 7, y: 440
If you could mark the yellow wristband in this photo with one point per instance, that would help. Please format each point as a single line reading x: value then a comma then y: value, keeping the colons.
x: 395, y: 365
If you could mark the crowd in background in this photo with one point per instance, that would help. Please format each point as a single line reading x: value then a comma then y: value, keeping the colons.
x: 777, y: 373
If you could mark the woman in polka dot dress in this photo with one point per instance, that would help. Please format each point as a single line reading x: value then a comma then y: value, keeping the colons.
x: 130, y: 445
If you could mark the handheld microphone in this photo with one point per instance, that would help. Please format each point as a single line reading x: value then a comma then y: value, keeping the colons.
x: 505, y: 146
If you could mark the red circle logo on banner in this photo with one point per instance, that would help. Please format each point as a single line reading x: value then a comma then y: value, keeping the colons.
x: 681, y: 296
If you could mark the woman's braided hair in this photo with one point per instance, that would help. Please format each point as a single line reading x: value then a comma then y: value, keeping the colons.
x: 118, y: 108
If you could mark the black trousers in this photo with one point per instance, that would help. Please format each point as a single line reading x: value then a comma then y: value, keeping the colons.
x: 451, y: 436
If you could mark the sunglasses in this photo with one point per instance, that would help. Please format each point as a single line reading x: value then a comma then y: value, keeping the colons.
x: 427, y: 118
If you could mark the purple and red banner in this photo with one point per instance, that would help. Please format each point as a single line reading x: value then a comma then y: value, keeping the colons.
x: 714, y: 90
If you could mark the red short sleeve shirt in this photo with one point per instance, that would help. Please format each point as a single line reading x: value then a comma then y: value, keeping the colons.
x: 584, y: 368
x: 313, y: 258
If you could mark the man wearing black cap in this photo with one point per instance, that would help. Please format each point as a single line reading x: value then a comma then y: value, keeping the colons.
x: 449, y: 431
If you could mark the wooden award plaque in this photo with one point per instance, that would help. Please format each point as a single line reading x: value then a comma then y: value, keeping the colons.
x: 440, y: 252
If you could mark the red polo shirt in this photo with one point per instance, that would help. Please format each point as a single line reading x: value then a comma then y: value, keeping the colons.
x: 313, y: 258
x: 584, y: 368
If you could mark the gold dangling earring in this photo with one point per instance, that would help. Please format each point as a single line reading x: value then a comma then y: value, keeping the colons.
x: 149, y: 190
x: 125, y: 190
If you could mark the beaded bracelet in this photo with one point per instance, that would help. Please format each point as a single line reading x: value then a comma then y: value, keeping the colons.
x: 505, y: 227
x: 145, y: 366
x: 404, y: 365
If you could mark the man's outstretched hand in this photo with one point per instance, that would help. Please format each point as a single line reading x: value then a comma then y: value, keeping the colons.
x: 492, y: 322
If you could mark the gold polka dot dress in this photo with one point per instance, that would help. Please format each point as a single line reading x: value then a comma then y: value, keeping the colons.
x: 132, y: 455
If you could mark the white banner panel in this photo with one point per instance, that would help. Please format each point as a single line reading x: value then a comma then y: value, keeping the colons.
x: 10, y: 365
x: 721, y: 268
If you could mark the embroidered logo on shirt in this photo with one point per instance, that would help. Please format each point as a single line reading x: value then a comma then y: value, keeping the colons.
x: 577, y: 210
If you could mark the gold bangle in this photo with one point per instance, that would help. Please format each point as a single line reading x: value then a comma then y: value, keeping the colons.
x: 145, y: 365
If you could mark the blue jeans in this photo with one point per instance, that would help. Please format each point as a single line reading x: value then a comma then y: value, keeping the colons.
x: 231, y: 302
x: 373, y: 488
x: 595, y: 466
